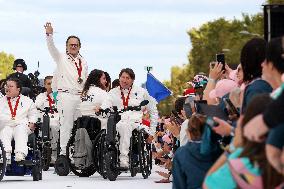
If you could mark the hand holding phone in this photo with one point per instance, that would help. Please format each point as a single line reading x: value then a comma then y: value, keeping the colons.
x: 220, y: 58
x: 210, y: 122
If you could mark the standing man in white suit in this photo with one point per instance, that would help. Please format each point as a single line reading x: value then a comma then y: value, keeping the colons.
x: 72, y: 72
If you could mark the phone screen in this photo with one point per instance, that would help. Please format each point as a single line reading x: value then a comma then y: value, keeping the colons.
x: 220, y: 58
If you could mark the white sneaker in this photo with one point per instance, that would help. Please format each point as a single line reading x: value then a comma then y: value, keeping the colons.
x: 20, y: 156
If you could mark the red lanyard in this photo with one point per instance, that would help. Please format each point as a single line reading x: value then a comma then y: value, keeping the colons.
x: 79, y: 68
x: 50, y: 102
x: 13, y: 112
x: 125, y: 101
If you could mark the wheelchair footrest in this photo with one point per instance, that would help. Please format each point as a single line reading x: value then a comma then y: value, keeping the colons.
x: 28, y: 163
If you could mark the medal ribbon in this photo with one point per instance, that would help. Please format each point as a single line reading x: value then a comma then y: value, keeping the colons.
x: 13, y: 112
x: 125, y: 101
x: 79, y: 68
x: 50, y: 102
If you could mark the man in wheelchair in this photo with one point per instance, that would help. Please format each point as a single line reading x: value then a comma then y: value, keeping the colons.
x: 129, y: 95
x: 17, y: 118
x: 43, y: 100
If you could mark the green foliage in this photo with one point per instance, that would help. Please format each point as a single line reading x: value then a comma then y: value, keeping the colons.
x: 211, y: 38
x: 6, y: 64
x: 222, y: 36
x: 275, y: 2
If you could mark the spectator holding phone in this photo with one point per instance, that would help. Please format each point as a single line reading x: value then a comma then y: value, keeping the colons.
x: 189, y: 165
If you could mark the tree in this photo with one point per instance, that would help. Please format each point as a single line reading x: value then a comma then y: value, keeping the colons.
x: 275, y: 2
x: 6, y: 64
x: 218, y: 35
x: 211, y: 38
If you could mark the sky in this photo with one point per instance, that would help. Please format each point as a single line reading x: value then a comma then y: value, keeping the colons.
x: 115, y: 34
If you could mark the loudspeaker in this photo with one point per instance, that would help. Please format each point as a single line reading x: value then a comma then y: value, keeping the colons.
x: 273, y: 21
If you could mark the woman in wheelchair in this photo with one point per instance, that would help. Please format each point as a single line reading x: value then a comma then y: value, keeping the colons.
x: 93, y: 94
x: 17, y: 118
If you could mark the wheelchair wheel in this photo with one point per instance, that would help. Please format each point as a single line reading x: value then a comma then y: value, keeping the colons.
x: 133, y: 160
x: 143, y: 155
x: 62, y: 166
x: 99, y: 153
x: 86, y: 172
x: 111, y: 165
x: 2, y: 161
x: 46, y: 157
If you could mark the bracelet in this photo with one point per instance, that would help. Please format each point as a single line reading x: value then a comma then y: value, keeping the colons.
x: 213, y: 80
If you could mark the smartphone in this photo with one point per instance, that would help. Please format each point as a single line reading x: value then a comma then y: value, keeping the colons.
x: 220, y: 58
x: 210, y: 122
x: 175, y: 117
x: 231, y: 108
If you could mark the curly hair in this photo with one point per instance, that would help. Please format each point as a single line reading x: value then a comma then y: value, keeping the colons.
x: 93, y: 80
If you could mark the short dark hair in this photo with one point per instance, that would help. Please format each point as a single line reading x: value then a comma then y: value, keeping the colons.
x: 115, y: 83
x: 195, y: 127
x: 179, y: 104
x: 73, y: 36
x: 129, y: 71
x: 252, y: 55
x: 17, y: 81
x: 48, y: 77
x: 275, y: 53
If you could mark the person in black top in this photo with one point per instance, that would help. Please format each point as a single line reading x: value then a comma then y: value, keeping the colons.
x: 19, y: 67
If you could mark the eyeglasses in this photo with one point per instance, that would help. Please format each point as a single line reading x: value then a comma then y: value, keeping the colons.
x: 74, y: 45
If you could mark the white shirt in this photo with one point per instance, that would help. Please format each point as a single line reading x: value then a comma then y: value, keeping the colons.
x: 183, y: 136
x: 137, y: 95
x: 66, y: 71
x: 94, y: 98
x: 26, y: 111
x: 42, y: 102
x: 1, y: 95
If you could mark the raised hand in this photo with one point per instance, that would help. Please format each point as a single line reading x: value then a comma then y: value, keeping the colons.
x: 48, y: 28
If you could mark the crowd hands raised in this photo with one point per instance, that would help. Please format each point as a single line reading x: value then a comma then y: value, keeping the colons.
x: 224, y: 132
x: 231, y: 133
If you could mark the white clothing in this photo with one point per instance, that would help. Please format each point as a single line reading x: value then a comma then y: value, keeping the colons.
x: 183, y: 136
x: 68, y: 89
x: 130, y: 119
x: 66, y: 71
x: 54, y: 81
x: 42, y: 102
x: 26, y: 112
x: 18, y: 129
x: 94, y: 98
x: 1, y: 95
x: 68, y: 109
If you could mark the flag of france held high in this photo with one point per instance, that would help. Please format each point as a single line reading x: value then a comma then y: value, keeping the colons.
x: 156, y: 89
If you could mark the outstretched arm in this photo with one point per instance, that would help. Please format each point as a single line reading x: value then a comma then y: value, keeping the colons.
x: 50, y: 44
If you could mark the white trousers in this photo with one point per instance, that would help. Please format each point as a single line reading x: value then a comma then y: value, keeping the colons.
x: 68, y: 112
x: 20, y: 133
x: 54, y: 135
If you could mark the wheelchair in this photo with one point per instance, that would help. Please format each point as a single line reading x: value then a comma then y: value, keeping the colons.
x: 30, y: 166
x: 43, y: 136
x: 140, y: 159
x: 65, y: 164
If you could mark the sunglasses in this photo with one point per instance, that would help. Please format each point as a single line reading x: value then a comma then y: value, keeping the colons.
x: 74, y: 45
